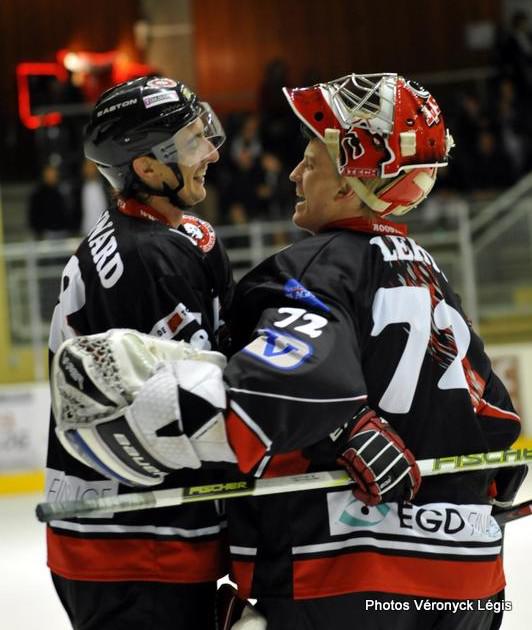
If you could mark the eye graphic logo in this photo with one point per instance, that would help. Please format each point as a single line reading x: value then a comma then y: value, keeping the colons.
x: 356, y: 514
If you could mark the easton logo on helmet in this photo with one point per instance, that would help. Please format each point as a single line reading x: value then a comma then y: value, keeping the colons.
x: 116, y: 106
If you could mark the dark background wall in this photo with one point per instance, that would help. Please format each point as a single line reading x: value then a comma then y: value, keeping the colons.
x: 33, y: 30
x: 233, y: 40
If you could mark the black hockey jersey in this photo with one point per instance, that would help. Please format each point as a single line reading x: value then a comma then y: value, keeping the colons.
x: 135, y: 271
x: 358, y: 315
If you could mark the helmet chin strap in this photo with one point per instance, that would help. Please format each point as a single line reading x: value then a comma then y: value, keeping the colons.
x: 172, y: 194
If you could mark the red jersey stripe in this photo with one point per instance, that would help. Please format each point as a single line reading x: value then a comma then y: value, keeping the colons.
x: 486, y: 409
x: 249, y: 449
x: 242, y: 575
x: 131, y: 559
x: 292, y: 463
x: 369, y: 571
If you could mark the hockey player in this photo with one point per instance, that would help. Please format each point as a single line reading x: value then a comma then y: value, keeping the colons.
x: 150, y: 266
x: 349, y: 346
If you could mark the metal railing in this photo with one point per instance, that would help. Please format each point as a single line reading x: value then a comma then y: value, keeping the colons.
x: 478, y: 253
x: 33, y: 270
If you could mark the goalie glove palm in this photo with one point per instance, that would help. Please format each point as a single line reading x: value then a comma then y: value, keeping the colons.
x: 377, y: 459
x: 135, y: 408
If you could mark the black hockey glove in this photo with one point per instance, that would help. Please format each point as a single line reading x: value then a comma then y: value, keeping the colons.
x: 506, y: 485
x: 377, y: 459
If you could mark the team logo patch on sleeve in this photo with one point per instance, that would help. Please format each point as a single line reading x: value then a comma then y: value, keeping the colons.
x: 296, y: 291
x: 279, y: 350
x: 200, y: 231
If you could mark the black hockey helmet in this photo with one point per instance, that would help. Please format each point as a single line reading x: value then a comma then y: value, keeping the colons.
x: 149, y: 116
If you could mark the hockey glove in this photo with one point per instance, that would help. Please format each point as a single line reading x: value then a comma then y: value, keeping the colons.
x: 377, y: 459
x: 134, y: 407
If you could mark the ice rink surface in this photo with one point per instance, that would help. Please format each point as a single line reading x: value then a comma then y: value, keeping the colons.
x: 28, y: 601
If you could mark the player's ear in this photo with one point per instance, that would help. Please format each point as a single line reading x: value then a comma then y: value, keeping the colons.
x: 143, y: 167
x: 345, y: 191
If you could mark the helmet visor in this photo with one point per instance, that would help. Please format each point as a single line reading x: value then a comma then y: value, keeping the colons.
x: 193, y: 143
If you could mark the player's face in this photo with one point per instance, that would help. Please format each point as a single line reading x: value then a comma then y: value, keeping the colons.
x: 317, y: 183
x: 193, y: 191
x: 194, y: 154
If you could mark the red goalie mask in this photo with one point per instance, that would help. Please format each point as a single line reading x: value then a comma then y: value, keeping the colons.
x: 386, y: 123
x: 383, y: 126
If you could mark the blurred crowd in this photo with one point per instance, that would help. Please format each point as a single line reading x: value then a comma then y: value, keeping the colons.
x: 489, y: 121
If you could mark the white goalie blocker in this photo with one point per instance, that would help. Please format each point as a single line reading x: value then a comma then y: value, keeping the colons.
x: 134, y: 407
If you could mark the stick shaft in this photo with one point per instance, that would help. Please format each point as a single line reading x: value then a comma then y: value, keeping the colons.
x: 514, y: 512
x: 47, y: 512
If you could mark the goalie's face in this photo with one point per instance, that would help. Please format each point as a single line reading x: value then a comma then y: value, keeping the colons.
x: 323, y: 193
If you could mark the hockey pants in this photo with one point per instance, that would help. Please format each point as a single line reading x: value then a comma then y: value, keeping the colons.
x: 137, y: 605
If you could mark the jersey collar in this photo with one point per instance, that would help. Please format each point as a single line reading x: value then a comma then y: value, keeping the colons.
x: 134, y: 208
x: 372, y: 226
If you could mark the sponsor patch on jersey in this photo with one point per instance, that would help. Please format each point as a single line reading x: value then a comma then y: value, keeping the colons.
x: 356, y: 514
x: 161, y: 82
x: 281, y: 351
x: 296, y: 291
x: 440, y: 521
x: 63, y: 487
x: 200, y: 231
x: 159, y: 99
x: 174, y: 322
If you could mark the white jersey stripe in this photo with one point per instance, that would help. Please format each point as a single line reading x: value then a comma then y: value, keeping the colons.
x: 262, y: 466
x: 251, y: 424
x: 299, y: 399
x: 243, y: 551
x: 138, y: 529
x: 417, y: 547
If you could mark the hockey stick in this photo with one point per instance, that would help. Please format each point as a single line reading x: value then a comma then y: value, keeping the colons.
x: 507, y: 515
x: 47, y: 512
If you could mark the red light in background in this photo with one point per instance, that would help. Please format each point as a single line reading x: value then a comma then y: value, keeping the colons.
x: 24, y: 71
x: 92, y: 73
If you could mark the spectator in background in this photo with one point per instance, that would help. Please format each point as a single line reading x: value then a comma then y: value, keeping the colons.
x: 258, y: 188
x: 516, y: 54
x: 490, y: 168
x: 467, y: 123
x: 513, y: 125
x: 278, y: 126
x: 470, y: 118
x: 48, y: 215
x: 247, y: 138
x: 241, y: 198
x: 275, y: 194
x: 93, y: 196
